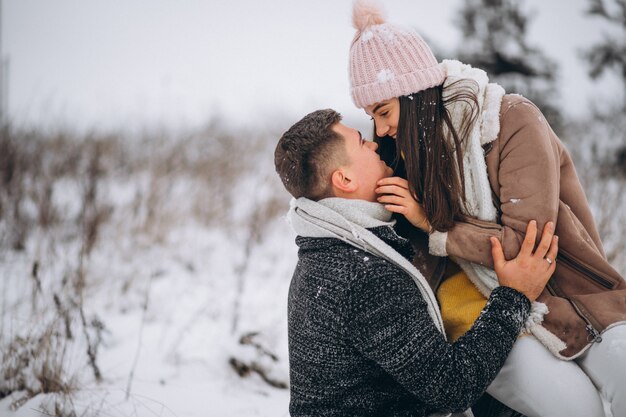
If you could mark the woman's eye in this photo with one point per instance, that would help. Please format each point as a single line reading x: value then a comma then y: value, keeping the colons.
x: 384, y: 114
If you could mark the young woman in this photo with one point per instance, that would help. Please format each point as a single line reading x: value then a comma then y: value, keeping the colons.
x: 482, y: 164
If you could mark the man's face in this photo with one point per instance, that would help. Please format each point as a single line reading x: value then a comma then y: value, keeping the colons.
x: 364, y: 165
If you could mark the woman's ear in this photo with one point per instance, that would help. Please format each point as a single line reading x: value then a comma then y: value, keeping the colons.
x: 342, y: 182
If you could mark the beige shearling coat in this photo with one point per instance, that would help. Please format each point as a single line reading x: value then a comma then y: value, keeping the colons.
x: 532, y: 176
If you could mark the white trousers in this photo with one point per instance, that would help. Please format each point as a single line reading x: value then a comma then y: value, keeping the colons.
x: 537, y: 384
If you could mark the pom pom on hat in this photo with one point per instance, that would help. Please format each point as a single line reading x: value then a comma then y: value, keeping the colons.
x: 366, y: 13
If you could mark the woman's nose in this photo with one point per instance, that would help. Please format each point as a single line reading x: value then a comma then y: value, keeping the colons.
x: 381, y: 129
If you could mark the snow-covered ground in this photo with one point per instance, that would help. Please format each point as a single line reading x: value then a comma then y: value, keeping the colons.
x: 167, y: 312
x: 187, y: 278
x: 167, y: 298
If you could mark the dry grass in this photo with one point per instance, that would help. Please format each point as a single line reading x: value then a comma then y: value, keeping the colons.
x: 36, y: 363
x: 58, y: 196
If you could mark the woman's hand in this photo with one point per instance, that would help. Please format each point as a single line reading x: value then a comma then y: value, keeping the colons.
x: 395, y: 195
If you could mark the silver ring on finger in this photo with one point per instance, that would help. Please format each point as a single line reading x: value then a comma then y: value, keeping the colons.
x: 548, y: 260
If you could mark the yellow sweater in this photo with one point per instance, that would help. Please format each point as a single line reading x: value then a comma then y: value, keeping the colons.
x: 460, y: 302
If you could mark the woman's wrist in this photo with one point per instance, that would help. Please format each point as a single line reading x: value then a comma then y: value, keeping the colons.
x: 425, y: 226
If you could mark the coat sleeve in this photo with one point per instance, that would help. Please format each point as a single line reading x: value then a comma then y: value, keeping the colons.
x: 528, y: 179
x: 388, y: 323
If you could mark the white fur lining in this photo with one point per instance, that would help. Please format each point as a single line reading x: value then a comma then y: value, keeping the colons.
x: 490, y: 117
x: 489, y: 98
x: 437, y: 243
x: 537, y: 311
x: 556, y: 345
x: 550, y: 340
x: 533, y: 326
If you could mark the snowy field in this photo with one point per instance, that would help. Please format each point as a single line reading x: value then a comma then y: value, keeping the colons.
x: 145, y: 273
x: 149, y: 276
x: 187, y: 275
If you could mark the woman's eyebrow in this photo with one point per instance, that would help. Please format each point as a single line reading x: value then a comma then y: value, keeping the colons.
x: 378, y: 106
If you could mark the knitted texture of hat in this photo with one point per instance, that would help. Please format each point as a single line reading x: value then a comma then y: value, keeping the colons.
x: 387, y: 61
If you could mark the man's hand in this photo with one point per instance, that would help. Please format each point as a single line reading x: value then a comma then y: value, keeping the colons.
x: 528, y: 272
x: 397, y: 198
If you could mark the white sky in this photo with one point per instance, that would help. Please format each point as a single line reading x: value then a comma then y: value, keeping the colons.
x: 131, y: 63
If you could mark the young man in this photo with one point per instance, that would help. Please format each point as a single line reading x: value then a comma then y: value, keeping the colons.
x: 365, y: 332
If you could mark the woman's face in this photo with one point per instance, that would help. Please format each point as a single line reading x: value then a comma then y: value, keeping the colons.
x: 385, y: 114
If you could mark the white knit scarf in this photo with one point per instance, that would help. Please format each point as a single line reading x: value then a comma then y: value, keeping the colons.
x: 348, y: 220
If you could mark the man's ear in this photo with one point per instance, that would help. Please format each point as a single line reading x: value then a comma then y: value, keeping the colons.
x: 342, y: 182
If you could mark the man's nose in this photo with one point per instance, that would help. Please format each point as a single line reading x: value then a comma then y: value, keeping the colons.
x: 373, y: 145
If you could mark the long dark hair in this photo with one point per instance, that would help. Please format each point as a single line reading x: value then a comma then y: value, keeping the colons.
x: 421, y: 153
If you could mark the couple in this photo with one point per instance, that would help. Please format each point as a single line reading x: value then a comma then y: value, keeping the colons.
x: 476, y: 173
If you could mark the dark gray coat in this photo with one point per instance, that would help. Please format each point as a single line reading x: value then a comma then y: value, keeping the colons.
x: 361, y: 342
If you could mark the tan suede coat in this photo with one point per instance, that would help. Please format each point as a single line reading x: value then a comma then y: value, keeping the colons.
x: 532, y: 177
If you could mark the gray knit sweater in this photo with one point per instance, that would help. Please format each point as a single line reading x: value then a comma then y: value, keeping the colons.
x: 361, y: 341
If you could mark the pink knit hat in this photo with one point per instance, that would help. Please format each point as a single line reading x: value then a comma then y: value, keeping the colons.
x: 387, y: 61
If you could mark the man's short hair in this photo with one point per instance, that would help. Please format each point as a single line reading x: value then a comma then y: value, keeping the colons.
x: 307, y: 154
